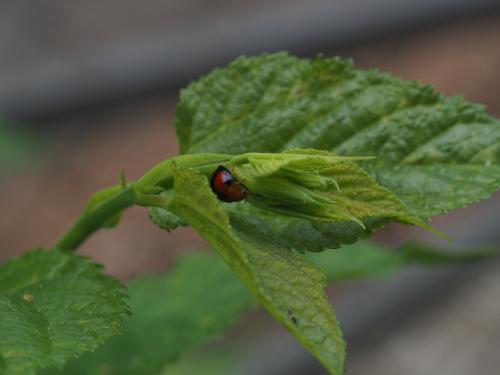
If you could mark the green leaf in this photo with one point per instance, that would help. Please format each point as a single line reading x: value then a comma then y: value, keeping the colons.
x: 53, y: 307
x: 361, y: 260
x: 368, y: 260
x: 24, y: 336
x: 165, y: 219
x: 196, y: 301
x: 301, y: 188
x: 285, y: 283
x: 331, y: 192
x: 435, y: 153
x: 201, y: 297
x: 415, y: 253
x: 317, y: 186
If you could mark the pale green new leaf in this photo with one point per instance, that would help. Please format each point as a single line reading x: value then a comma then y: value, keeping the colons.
x: 165, y: 219
x: 285, y: 283
x: 53, y: 307
x: 330, y: 192
x: 435, y: 153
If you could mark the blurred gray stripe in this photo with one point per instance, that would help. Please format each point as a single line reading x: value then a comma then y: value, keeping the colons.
x: 173, y: 59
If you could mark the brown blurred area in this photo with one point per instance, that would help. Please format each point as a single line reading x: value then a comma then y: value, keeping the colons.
x: 39, y: 205
x: 86, y: 150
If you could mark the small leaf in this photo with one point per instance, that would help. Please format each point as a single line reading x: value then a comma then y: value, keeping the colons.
x: 435, y: 153
x: 53, y: 307
x: 285, y: 283
x: 196, y: 301
x: 165, y: 219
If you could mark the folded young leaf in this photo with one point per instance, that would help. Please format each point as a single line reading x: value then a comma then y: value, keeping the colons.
x: 53, y: 307
x: 325, y: 189
x: 285, y: 283
x: 435, y: 153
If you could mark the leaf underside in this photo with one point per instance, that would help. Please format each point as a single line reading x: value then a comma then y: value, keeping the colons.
x: 285, y: 283
x: 53, y: 307
x: 435, y: 153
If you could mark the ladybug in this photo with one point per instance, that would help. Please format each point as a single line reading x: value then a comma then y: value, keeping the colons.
x: 226, y: 187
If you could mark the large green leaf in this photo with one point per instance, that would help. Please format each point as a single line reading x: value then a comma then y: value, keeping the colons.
x: 285, y: 283
x: 197, y: 300
x: 54, y: 306
x: 435, y: 153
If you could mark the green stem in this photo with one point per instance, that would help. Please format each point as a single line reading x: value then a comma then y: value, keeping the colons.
x: 144, y: 193
x: 91, y: 221
x: 162, y: 174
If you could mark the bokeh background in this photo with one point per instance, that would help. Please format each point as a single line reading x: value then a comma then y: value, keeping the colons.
x: 88, y: 89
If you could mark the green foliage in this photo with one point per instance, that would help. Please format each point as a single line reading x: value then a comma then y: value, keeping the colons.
x: 305, y: 183
x: 368, y: 260
x: 165, y: 219
x: 284, y: 282
x: 18, y: 146
x: 207, y: 360
x: 418, y: 154
x: 54, y: 306
x: 327, y: 191
x: 200, y: 298
x: 435, y: 153
x: 316, y: 187
x: 197, y: 300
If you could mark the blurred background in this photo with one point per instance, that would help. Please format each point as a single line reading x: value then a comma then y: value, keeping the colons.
x: 88, y: 89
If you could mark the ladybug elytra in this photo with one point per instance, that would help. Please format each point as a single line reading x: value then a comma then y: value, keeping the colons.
x: 226, y: 187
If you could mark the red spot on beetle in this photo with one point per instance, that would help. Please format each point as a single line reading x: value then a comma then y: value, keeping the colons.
x: 226, y: 187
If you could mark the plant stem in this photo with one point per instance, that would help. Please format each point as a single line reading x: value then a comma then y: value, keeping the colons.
x: 142, y: 193
x: 91, y: 221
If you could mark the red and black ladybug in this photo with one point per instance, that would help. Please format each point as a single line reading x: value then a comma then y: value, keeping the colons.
x: 226, y: 187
